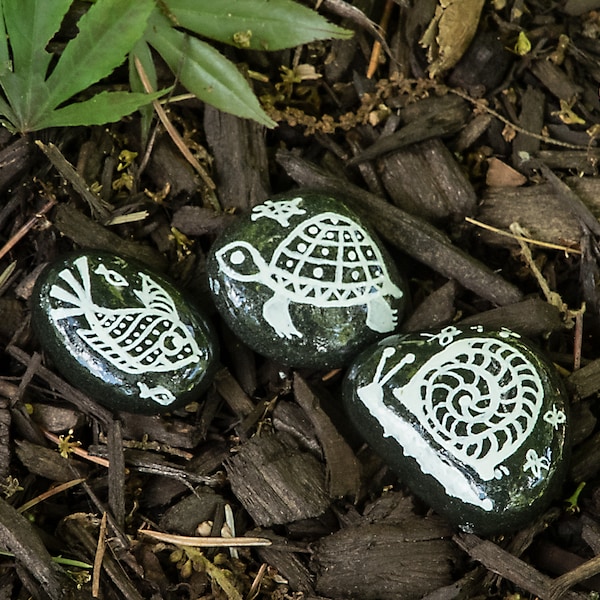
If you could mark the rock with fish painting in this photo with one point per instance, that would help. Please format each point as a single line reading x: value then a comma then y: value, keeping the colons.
x: 474, y: 421
x: 122, y: 334
x: 303, y: 280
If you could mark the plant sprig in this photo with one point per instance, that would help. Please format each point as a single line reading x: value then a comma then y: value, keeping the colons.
x: 39, y: 89
x: 252, y: 24
x: 35, y: 93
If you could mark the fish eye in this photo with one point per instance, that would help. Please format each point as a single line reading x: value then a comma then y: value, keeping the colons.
x: 111, y: 277
x: 237, y: 257
x: 173, y: 342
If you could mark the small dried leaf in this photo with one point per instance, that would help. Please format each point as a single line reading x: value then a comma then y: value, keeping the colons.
x: 223, y: 578
x: 500, y: 174
x: 594, y: 131
x: 567, y: 115
x: 509, y: 133
x: 306, y: 72
x: 5, y: 275
x: 450, y: 32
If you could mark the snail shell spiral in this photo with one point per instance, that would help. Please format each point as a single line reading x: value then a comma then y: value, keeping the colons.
x: 478, y: 398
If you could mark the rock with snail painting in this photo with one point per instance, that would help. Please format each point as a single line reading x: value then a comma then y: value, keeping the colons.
x: 474, y: 421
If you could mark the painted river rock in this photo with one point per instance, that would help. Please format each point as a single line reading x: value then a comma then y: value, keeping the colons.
x: 474, y: 421
x: 122, y: 334
x: 303, y: 280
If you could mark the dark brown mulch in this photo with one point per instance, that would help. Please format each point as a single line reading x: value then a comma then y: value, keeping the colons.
x: 503, y: 138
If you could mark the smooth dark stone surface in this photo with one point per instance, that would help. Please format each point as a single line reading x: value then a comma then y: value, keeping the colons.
x: 474, y: 421
x: 122, y: 334
x: 302, y: 280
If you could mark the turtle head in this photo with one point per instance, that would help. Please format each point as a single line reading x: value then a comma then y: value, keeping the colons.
x: 241, y: 261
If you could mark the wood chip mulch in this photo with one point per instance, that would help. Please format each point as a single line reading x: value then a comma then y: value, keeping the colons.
x: 482, y: 181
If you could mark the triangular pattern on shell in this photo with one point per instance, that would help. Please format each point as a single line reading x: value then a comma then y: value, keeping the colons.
x: 331, y: 258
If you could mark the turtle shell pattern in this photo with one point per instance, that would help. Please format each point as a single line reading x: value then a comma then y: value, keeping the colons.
x: 328, y: 260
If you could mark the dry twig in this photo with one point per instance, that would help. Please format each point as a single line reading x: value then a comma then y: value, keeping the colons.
x: 523, y: 238
x: 101, y: 547
x: 51, y: 492
x: 385, y: 19
x: 23, y: 231
x: 205, y: 542
x: 162, y: 115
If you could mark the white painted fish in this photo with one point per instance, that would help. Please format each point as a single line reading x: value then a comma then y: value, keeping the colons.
x: 135, y: 340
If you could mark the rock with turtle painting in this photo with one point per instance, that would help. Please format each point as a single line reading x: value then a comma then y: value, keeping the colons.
x: 303, y: 280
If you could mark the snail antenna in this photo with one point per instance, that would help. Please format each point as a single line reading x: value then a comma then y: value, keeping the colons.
x: 406, y: 360
x: 387, y: 352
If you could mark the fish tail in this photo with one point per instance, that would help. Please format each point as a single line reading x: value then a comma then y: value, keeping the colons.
x: 76, y: 293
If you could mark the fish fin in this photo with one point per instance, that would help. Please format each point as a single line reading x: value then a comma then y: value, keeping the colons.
x: 154, y: 296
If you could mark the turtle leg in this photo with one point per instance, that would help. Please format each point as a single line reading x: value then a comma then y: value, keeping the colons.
x: 381, y: 316
x: 276, y: 312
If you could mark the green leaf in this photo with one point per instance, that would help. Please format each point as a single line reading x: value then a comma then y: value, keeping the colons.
x: 8, y: 114
x: 24, y: 98
x: 205, y: 72
x: 256, y: 24
x: 107, y: 32
x: 30, y: 25
x: 5, y: 62
x: 142, y: 52
x: 106, y: 107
